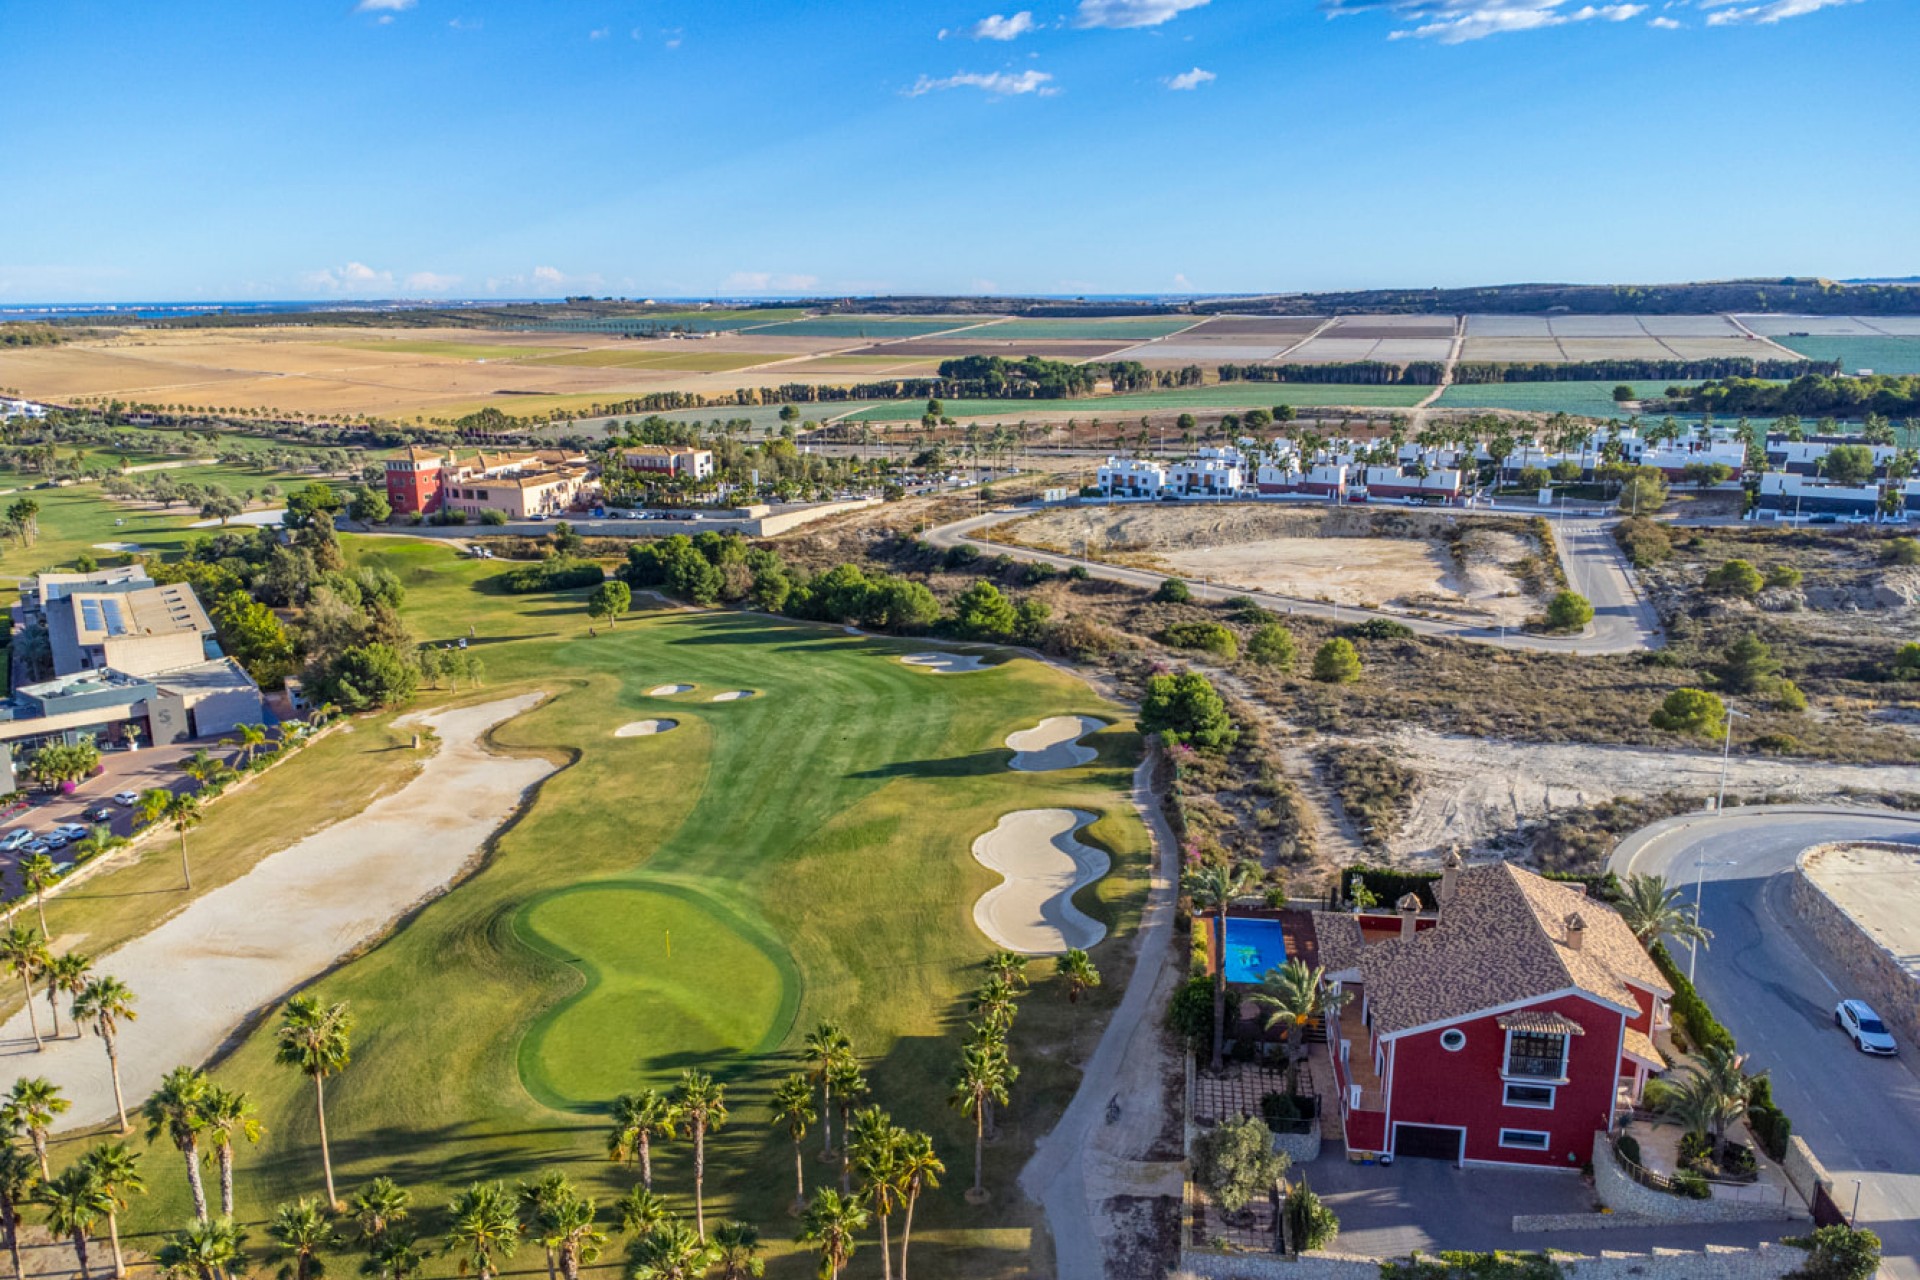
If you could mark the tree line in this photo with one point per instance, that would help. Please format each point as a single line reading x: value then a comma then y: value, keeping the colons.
x: 1887, y: 394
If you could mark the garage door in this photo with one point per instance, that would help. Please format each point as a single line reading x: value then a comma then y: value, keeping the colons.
x: 1423, y: 1142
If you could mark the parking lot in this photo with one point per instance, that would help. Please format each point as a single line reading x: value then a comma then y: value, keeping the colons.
x: 134, y: 771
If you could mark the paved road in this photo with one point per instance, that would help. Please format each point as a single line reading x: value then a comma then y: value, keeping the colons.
x: 1860, y: 1115
x: 1623, y: 621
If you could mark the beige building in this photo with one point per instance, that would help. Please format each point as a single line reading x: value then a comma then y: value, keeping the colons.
x: 672, y: 460
x: 518, y: 495
x: 136, y: 632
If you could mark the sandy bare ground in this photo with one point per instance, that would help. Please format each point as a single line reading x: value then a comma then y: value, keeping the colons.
x: 645, y: 728
x: 945, y: 664
x: 1044, y: 866
x: 668, y: 690
x: 1360, y: 571
x: 1054, y: 743
x: 1878, y: 885
x: 734, y: 695
x: 242, y: 947
x: 1473, y: 788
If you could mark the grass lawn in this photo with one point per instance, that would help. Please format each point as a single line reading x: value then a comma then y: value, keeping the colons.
x: 803, y: 854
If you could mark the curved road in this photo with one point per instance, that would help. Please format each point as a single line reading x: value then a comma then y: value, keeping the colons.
x: 1623, y: 622
x: 1860, y: 1115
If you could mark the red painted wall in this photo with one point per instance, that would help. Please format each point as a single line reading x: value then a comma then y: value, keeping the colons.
x: 411, y: 492
x: 1431, y: 1085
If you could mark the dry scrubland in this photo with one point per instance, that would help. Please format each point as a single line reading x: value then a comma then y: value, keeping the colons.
x: 1465, y: 569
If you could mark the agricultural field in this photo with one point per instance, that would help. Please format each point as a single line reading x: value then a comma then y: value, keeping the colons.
x: 701, y: 898
x: 1232, y: 395
x: 1880, y: 354
x: 447, y: 349
x: 1127, y: 328
x: 682, y: 357
x: 1585, y: 399
x: 699, y: 321
x: 875, y: 327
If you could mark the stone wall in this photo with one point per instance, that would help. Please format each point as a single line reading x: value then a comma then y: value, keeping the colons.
x: 1625, y: 1196
x: 1875, y: 973
x: 1804, y: 1170
x: 1301, y: 1148
x: 1768, y: 1262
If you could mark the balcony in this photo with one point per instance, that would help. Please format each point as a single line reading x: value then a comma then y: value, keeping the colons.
x: 1363, y: 1089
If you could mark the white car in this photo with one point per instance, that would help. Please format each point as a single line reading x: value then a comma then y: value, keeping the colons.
x: 73, y: 831
x: 1864, y: 1028
x: 15, y: 838
x: 127, y: 799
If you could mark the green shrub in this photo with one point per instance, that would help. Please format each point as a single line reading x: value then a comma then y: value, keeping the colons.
x: 1236, y: 1162
x: 1309, y: 1222
x: 1210, y: 637
x: 557, y: 574
x: 1771, y: 1126
x: 1186, y: 708
x: 1692, y: 711
x: 1173, y: 591
x: 1787, y: 696
x: 1736, y: 578
x: 1690, y: 1012
x: 1271, y: 645
x: 1380, y: 629
x: 1190, y: 1011
x: 1838, y: 1253
x: 1777, y: 744
x: 1783, y: 575
x: 1906, y: 663
x: 1337, y: 662
x: 1629, y: 1148
x: 1645, y: 541
x: 1691, y: 1186
x: 1569, y: 611
x: 493, y: 517
x: 1904, y: 551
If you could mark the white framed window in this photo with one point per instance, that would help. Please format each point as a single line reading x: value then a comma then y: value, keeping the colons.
x: 1537, y: 1055
x: 1453, y: 1040
x: 1540, y: 1096
x: 1525, y: 1139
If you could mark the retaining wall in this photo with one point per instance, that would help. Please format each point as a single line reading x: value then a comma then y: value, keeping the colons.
x: 1876, y: 974
x: 1301, y: 1148
x: 1623, y: 1195
x: 1768, y: 1262
x: 1804, y: 1170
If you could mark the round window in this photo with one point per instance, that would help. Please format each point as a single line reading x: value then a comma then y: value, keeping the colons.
x: 1453, y: 1041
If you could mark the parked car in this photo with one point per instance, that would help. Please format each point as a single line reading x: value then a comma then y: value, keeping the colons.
x: 1864, y: 1028
x: 16, y: 838
x: 73, y: 831
x: 55, y: 839
x: 127, y: 799
x: 99, y: 813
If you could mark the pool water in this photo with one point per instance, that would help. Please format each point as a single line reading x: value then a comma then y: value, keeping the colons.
x: 1253, y: 947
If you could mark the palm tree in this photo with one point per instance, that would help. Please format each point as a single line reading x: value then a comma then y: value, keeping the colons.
x: 75, y: 1204
x: 203, y: 767
x: 178, y: 1109
x: 484, y: 1231
x: 1654, y: 910
x: 18, y: 1179
x: 832, y: 1223
x: 249, y: 738
x: 826, y: 1046
x: 301, y: 1233
x: 918, y: 1169
x: 202, y: 1250
x: 849, y: 1086
x: 640, y: 1212
x: 106, y: 1002
x: 702, y: 1105
x: 1081, y: 975
x: 68, y: 975
x: 736, y: 1251
x: 183, y: 815
x: 540, y: 1202
x: 33, y: 1104
x: 1294, y: 995
x: 396, y: 1255
x: 25, y: 952
x: 318, y: 1040
x: 982, y: 1081
x: 383, y: 1204
x: 229, y: 1116
x: 36, y: 872
x: 1712, y: 1096
x: 639, y: 1118
x: 1008, y: 966
x: 577, y: 1235
x: 117, y: 1171
x: 321, y: 714
x: 1213, y: 889
x: 875, y: 1142
x: 793, y: 1107
x: 671, y: 1252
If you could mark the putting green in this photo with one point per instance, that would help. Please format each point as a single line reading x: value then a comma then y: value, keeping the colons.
x: 651, y: 956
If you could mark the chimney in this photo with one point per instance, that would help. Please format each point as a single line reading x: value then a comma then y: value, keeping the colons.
x: 1409, y: 908
x: 1576, y: 931
x: 1449, y: 878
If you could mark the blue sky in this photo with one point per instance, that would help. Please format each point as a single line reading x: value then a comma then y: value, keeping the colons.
x: 382, y: 148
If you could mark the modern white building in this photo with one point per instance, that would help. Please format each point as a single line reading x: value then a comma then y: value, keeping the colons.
x: 1132, y: 478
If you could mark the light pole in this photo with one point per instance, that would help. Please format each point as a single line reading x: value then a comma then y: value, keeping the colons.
x: 1726, y: 752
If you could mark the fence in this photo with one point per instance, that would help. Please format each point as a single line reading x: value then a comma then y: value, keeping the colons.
x: 1743, y: 1191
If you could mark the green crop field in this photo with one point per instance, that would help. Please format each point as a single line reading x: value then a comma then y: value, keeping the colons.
x: 1882, y: 355
x: 1584, y: 399
x: 700, y: 899
x: 701, y: 321
x: 876, y: 327
x: 1233, y: 395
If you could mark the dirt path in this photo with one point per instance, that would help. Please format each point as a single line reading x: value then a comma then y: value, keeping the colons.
x: 242, y: 947
x: 1418, y: 416
x: 1472, y: 788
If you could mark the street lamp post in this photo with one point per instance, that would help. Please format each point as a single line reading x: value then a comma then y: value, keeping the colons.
x: 1726, y: 753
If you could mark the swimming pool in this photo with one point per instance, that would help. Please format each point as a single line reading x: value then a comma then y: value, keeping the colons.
x: 1253, y: 947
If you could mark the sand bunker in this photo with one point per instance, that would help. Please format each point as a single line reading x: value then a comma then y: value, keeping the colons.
x: 734, y: 695
x: 1044, y: 866
x: 645, y: 728
x: 853, y: 631
x: 1054, y: 743
x: 945, y: 664
x: 668, y: 690
x: 246, y: 944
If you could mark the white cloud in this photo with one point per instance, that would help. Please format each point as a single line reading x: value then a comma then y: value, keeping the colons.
x: 384, y: 6
x: 1000, y: 84
x: 1191, y: 79
x: 431, y: 282
x: 355, y: 278
x: 1457, y: 21
x: 1131, y: 13
x: 1765, y: 14
x: 599, y: 33
x: 549, y: 275
x: 464, y: 24
x: 997, y: 27
x: 1665, y: 24
x: 767, y: 282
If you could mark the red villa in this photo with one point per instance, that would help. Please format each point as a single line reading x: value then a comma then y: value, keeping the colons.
x: 1506, y: 1031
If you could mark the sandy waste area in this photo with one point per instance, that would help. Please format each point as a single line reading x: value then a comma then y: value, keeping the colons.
x: 668, y: 690
x: 1054, y: 743
x: 645, y: 728
x: 734, y: 695
x: 1044, y: 866
x: 249, y: 943
x: 945, y: 664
